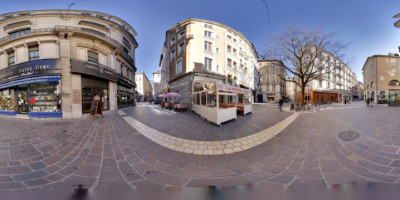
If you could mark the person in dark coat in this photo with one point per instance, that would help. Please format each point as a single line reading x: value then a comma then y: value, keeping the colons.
x: 280, y: 104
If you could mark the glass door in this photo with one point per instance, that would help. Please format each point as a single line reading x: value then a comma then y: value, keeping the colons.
x: 23, y: 101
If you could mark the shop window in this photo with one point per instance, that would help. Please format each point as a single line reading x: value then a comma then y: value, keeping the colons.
x: 33, y: 52
x: 211, y: 99
x: 203, y: 98
x: 93, y: 56
x: 11, y: 58
x: 8, y: 100
x: 198, y: 98
x: 45, y: 97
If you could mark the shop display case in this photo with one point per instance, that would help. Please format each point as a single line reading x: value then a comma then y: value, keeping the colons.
x: 46, y: 99
x: 8, y: 101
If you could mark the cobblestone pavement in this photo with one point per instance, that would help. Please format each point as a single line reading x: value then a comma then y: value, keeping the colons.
x: 110, y: 155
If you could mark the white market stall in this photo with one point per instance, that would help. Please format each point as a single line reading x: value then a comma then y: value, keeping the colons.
x: 219, y: 102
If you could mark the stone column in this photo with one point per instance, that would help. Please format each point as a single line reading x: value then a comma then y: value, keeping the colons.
x: 65, y: 56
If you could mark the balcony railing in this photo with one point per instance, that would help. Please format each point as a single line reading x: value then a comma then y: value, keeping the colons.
x: 97, y: 34
x: 33, y: 32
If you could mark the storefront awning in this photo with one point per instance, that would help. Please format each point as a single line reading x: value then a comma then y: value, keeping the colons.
x: 30, y: 80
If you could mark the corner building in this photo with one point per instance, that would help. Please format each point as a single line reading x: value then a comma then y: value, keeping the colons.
x: 196, y: 49
x: 53, y: 62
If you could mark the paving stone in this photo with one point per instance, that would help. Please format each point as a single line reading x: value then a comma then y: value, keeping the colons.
x: 23, y: 151
x: 309, y: 173
x: 283, y: 179
x: 259, y: 176
x: 30, y: 176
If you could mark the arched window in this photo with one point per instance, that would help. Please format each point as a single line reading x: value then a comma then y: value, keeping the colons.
x: 394, y: 83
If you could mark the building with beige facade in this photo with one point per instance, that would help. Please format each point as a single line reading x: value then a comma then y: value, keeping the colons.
x: 196, y: 49
x: 53, y: 62
x: 334, y: 83
x: 291, y: 89
x: 144, y: 87
x: 271, y: 86
x: 382, y: 79
x: 157, y: 83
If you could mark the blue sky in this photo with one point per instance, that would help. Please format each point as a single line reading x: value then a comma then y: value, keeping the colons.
x: 366, y: 25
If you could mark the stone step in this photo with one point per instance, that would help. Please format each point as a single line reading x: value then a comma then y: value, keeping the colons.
x: 19, y: 116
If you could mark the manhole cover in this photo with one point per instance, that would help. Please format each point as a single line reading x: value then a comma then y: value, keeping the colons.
x: 348, y: 135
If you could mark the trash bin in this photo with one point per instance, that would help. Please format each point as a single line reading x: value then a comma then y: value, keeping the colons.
x: 292, y: 106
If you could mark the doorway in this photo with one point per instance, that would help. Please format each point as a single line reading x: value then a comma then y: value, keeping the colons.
x: 23, y: 101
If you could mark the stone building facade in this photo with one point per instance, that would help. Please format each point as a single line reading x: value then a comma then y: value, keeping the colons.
x: 334, y: 84
x: 196, y: 49
x: 272, y: 81
x: 144, y: 87
x: 382, y: 79
x: 53, y: 62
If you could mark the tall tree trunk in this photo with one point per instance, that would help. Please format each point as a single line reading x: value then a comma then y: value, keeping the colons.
x: 303, y: 88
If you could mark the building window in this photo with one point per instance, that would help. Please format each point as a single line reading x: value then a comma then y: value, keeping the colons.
x: 229, y: 62
x: 320, y: 83
x: 267, y: 70
x: 273, y: 80
x: 179, y: 67
x: 208, y: 26
x: 19, y: 33
x: 208, y: 64
x: 11, y: 57
x: 173, y: 41
x: 273, y: 88
x: 207, y: 46
x: 181, y: 35
x: 33, y: 52
x: 234, y: 51
x: 208, y: 33
x: 267, y: 79
x: 181, y: 48
x: 173, y: 54
x: 393, y: 61
x: 93, y: 56
x: 229, y: 48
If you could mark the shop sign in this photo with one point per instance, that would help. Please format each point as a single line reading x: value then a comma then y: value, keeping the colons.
x: 230, y: 88
x: 202, y: 78
x: 125, y: 81
x: 29, y: 69
x: 85, y: 67
x: 30, y: 80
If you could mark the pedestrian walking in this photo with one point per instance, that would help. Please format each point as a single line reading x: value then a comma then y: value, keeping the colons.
x: 280, y: 104
x: 372, y: 101
x: 367, y: 102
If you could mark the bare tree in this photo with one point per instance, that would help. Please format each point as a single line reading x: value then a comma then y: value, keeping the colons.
x: 305, y: 54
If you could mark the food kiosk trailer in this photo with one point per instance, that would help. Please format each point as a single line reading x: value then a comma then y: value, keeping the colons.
x: 218, y: 103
